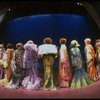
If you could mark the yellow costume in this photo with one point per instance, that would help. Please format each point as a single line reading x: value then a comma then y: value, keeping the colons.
x: 48, y: 53
x: 6, y: 62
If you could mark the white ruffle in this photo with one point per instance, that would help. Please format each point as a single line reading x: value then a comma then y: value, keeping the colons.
x: 33, y: 46
x: 35, y: 86
x: 63, y: 48
x: 11, y: 86
x: 46, y: 49
x: 27, y: 84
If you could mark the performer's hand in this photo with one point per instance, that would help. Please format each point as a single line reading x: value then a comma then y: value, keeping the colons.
x: 39, y: 56
x: 88, y: 61
x: 95, y: 55
x: 1, y: 62
x: 66, y: 78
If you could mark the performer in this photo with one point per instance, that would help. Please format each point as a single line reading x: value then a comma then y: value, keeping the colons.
x: 90, y: 57
x: 65, y: 73
x: 48, y: 52
x: 2, y: 51
x: 32, y: 80
x: 97, y: 45
x: 7, y: 63
x: 18, y: 72
x: 80, y: 77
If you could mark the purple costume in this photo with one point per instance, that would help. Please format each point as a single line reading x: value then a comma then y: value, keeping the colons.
x: 32, y: 80
x: 18, y: 72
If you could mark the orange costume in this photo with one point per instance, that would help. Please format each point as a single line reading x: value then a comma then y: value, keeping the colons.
x: 90, y: 57
x: 97, y: 45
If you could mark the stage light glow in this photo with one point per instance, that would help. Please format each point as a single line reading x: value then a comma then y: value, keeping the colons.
x: 81, y: 4
x: 9, y: 9
x: 78, y: 3
x: 2, y: 14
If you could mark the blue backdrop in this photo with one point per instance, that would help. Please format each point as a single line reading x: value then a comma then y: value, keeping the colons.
x: 37, y: 27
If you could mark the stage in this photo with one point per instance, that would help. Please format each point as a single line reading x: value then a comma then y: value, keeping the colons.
x: 92, y: 91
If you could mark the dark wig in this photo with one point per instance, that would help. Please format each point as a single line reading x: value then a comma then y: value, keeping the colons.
x: 9, y: 46
x: 63, y: 41
x: 47, y: 41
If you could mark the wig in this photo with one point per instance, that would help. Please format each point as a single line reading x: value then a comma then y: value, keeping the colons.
x: 63, y: 41
x: 47, y: 40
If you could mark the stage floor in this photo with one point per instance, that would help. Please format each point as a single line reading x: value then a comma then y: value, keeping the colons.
x: 92, y: 91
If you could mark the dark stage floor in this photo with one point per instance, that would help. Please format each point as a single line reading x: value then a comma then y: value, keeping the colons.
x: 92, y: 91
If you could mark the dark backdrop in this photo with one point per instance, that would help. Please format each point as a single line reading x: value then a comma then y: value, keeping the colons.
x: 37, y: 27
